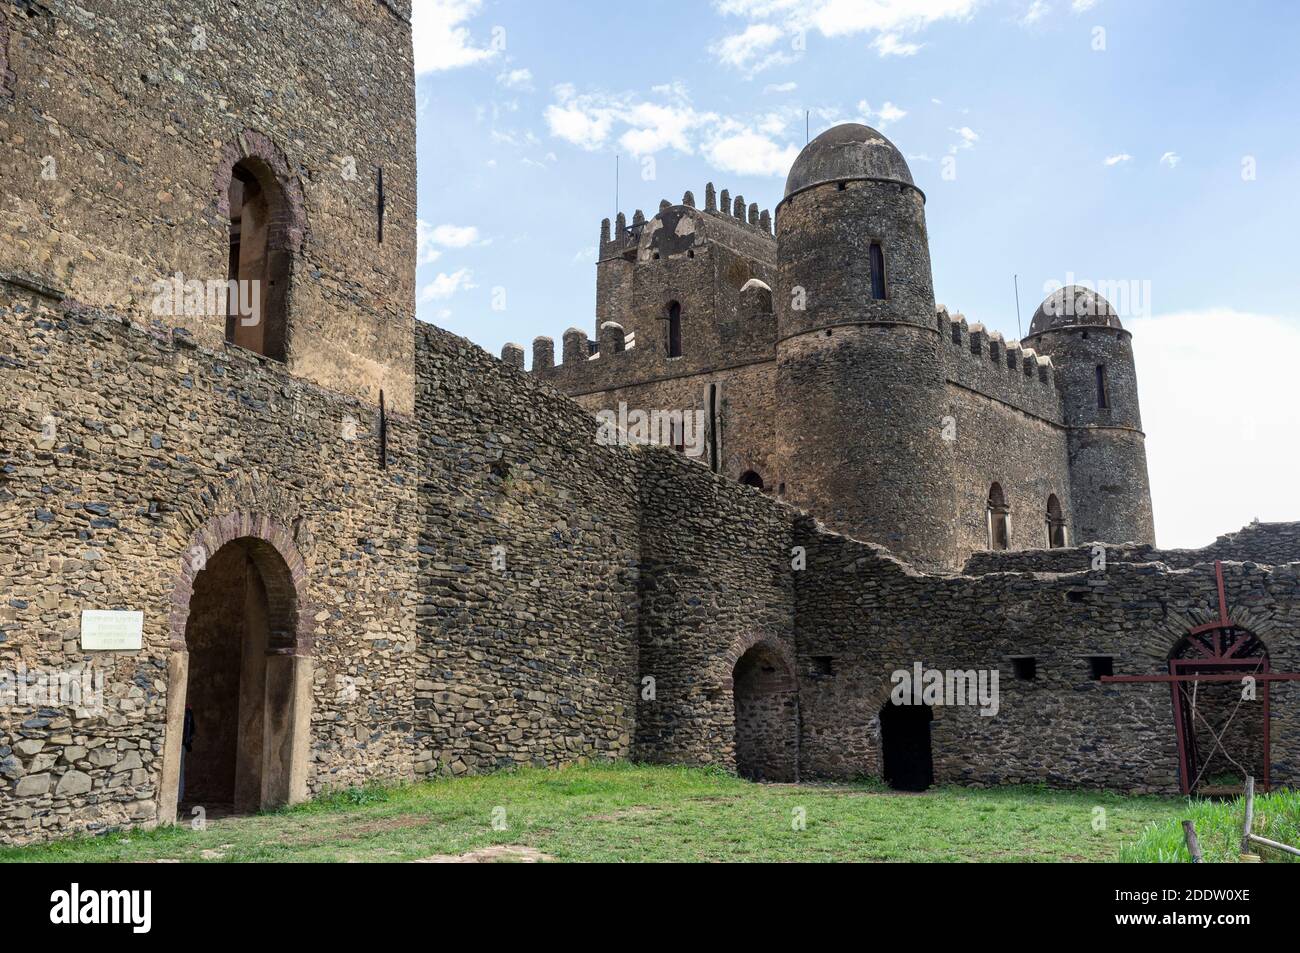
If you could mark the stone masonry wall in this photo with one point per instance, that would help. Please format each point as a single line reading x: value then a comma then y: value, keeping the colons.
x: 874, y: 615
x: 529, y: 548
x: 120, y: 444
x: 117, y: 141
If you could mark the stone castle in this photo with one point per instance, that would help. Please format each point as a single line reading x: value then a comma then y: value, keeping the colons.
x: 845, y: 391
x: 355, y: 547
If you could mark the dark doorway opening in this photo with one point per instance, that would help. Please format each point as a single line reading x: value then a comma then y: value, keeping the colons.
x: 905, y: 746
x: 239, y: 691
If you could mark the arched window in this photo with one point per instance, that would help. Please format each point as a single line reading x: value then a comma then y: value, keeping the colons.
x: 1055, y: 523
x: 750, y: 478
x: 674, y: 330
x: 260, y: 261
x: 877, y: 271
x: 999, y: 519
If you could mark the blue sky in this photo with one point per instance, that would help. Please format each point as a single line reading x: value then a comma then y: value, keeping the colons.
x: 1153, y: 144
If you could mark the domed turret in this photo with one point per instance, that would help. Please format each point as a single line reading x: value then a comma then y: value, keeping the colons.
x: 1097, y: 376
x: 1070, y: 306
x: 860, y: 378
x: 846, y: 152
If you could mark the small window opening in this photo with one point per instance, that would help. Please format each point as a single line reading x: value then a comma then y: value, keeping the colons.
x: 674, y: 330
x: 1076, y: 596
x: 823, y: 665
x: 381, y: 203
x: 999, y: 519
x: 1055, y: 523
x: 877, y: 271
x: 1103, y: 394
x: 1025, y: 668
x: 259, y: 266
x: 1100, y: 666
x: 750, y: 478
x: 383, y: 433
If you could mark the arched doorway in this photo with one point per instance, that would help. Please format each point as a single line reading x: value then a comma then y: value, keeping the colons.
x: 751, y: 478
x: 905, y: 746
x: 239, y: 679
x: 767, y: 722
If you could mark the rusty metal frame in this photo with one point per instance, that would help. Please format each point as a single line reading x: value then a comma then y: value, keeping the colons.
x: 1217, y: 645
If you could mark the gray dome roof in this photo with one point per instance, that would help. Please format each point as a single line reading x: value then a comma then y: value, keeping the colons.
x: 1070, y: 306
x: 847, y: 151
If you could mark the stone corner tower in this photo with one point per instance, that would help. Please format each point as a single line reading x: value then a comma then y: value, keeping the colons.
x: 1097, y: 377
x: 860, y: 378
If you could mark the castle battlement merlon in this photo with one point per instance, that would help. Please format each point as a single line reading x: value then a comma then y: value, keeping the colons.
x: 617, y: 238
x: 1008, y: 371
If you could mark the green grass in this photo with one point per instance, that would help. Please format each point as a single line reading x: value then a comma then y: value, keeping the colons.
x: 1218, y: 830
x: 626, y: 812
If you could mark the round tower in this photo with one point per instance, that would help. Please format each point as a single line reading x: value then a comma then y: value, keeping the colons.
x: 1095, y: 372
x: 860, y: 381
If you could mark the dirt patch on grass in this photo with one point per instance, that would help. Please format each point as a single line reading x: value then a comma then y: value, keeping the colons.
x: 496, y: 854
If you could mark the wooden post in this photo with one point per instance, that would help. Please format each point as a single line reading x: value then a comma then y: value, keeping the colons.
x: 1193, y: 845
x: 1250, y: 813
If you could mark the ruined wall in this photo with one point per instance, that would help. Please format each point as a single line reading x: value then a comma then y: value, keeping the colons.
x: 121, y: 445
x: 873, y: 615
x: 118, y: 141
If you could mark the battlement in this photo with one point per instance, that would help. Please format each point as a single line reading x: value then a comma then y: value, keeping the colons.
x: 1006, y: 371
x: 621, y: 240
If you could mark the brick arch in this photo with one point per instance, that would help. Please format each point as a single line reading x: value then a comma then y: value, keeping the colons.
x: 268, y: 162
x: 278, y: 560
x: 725, y: 667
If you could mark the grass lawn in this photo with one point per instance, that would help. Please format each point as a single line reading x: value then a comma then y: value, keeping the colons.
x: 1218, y: 829
x: 623, y: 812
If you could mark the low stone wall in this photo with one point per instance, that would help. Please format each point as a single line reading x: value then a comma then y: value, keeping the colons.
x: 1271, y: 544
x: 873, y: 616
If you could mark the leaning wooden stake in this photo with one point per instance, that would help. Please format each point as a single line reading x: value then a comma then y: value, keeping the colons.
x: 1286, y: 848
x: 1250, y: 814
x: 1193, y: 845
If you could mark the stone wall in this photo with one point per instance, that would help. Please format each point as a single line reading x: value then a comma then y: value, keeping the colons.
x: 874, y: 615
x: 123, y: 447
x: 529, y: 546
x: 117, y: 145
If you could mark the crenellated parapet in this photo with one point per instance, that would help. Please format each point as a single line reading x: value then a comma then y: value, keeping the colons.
x: 983, y: 361
x: 619, y: 239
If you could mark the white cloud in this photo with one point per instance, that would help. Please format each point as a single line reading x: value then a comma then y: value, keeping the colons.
x: 762, y: 143
x: 888, y: 44
x: 446, y: 236
x: 967, y: 136
x: 780, y: 88
x: 517, y: 79
x: 746, y: 152
x: 1218, y: 385
x: 752, y: 50
x: 445, y: 285
x: 887, y: 114
x: 442, y: 41
x: 1171, y: 159
x: 1119, y: 159
x: 1082, y: 6
x: 1037, y: 10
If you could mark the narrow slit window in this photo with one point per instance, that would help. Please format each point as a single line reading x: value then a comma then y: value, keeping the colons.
x: 674, y: 330
x: 381, y: 203
x: 383, y: 433
x: 999, y: 519
x: 877, y: 271
x: 1103, y: 393
x: 1055, y: 523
